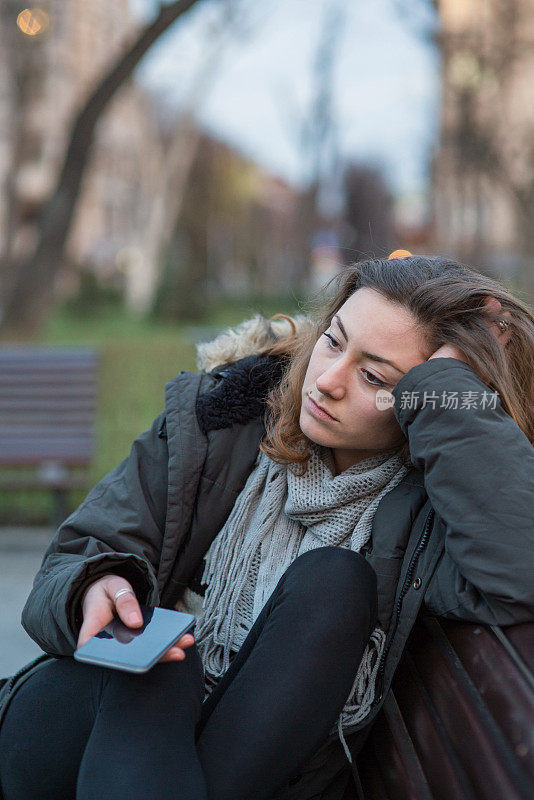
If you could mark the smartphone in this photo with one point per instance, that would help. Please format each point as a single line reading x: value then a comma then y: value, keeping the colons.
x: 136, y: 649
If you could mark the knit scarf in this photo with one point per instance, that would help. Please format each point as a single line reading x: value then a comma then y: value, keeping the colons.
x: 276, y: 517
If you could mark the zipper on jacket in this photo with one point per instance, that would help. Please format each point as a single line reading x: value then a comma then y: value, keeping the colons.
x: 421, y: 544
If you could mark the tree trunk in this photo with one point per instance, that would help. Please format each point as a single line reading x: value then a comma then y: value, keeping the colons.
x: 29, y: 298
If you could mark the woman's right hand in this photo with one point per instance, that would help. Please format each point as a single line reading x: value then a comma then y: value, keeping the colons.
x: 99, y: 608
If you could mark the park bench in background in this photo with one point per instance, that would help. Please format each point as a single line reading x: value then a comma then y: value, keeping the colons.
x: 458, y: 722
x: 47, y: 415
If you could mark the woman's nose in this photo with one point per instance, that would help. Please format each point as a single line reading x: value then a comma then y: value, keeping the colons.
x: 332, y: 381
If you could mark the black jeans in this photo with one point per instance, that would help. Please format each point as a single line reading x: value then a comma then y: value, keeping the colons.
x: 79, y: 731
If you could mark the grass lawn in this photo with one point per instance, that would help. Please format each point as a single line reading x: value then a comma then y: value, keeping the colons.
x: 138, y: 357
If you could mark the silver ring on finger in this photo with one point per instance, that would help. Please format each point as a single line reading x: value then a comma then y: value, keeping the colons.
x: 122, y: 591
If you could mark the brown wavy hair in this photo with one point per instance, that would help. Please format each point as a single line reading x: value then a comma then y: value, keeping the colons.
x: 446, y: 299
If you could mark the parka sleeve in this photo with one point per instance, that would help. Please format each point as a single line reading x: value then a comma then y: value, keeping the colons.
x: 117, y: 529
x: 479, y: 475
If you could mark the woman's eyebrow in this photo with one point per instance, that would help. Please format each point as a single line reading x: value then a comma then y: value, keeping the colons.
x: 370, y: 356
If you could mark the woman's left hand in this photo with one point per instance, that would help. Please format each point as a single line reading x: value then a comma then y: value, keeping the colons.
x: 451, y: 351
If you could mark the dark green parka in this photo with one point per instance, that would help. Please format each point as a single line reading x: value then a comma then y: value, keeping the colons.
x: 456, y: 535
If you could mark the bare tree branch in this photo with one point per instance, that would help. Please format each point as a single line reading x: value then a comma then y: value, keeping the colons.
x: 29, y: 298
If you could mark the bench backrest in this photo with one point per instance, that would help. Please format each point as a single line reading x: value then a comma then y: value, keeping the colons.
x: 459, y: 719
x: 47, y: 405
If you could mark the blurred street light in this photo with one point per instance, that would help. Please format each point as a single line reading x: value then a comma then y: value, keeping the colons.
x: 33, y: 21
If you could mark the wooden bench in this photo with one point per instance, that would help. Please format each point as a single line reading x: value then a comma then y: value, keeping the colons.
x: 458, y: 722
x: 47, y: 415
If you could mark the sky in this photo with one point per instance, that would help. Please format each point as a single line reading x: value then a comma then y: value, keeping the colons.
x: 259, y: 86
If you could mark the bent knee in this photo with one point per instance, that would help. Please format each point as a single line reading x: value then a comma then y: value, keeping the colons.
x: 334, y: 582
x: 334, y: 567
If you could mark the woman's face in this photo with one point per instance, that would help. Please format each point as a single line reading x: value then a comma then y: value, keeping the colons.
x: 347, y: 368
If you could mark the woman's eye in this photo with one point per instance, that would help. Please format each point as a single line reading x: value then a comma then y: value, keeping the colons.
x: 332, y: 342
x: 378, y: 381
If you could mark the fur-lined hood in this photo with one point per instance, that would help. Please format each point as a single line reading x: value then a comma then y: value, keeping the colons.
x: 248, y: 338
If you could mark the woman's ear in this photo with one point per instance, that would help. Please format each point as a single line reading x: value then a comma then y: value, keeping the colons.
x: 501, y: 332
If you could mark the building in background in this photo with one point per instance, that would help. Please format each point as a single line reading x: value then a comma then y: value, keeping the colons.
x: 484, y: 166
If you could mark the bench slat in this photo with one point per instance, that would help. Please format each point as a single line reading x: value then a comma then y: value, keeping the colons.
x: 26, y: 418
x: 47, y: 444
x: 479, y: 744
x: 21, y: 354
x: 47, y: 366
x: 467, y: 705
x: 68, y: 458
x: 46, y: 392
x: 521, y: 639
x: 508, y: 696
x: 30, y: 404
x: 31, y: 483
x: 47, y: 431
x: 438, y: 759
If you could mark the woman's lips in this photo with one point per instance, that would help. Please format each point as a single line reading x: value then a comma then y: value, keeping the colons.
x: 314, y: 409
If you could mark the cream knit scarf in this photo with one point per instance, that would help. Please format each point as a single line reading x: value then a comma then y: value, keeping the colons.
x: 275, y: 518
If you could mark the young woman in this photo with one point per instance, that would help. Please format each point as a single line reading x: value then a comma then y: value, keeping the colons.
x: 304, y: 494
